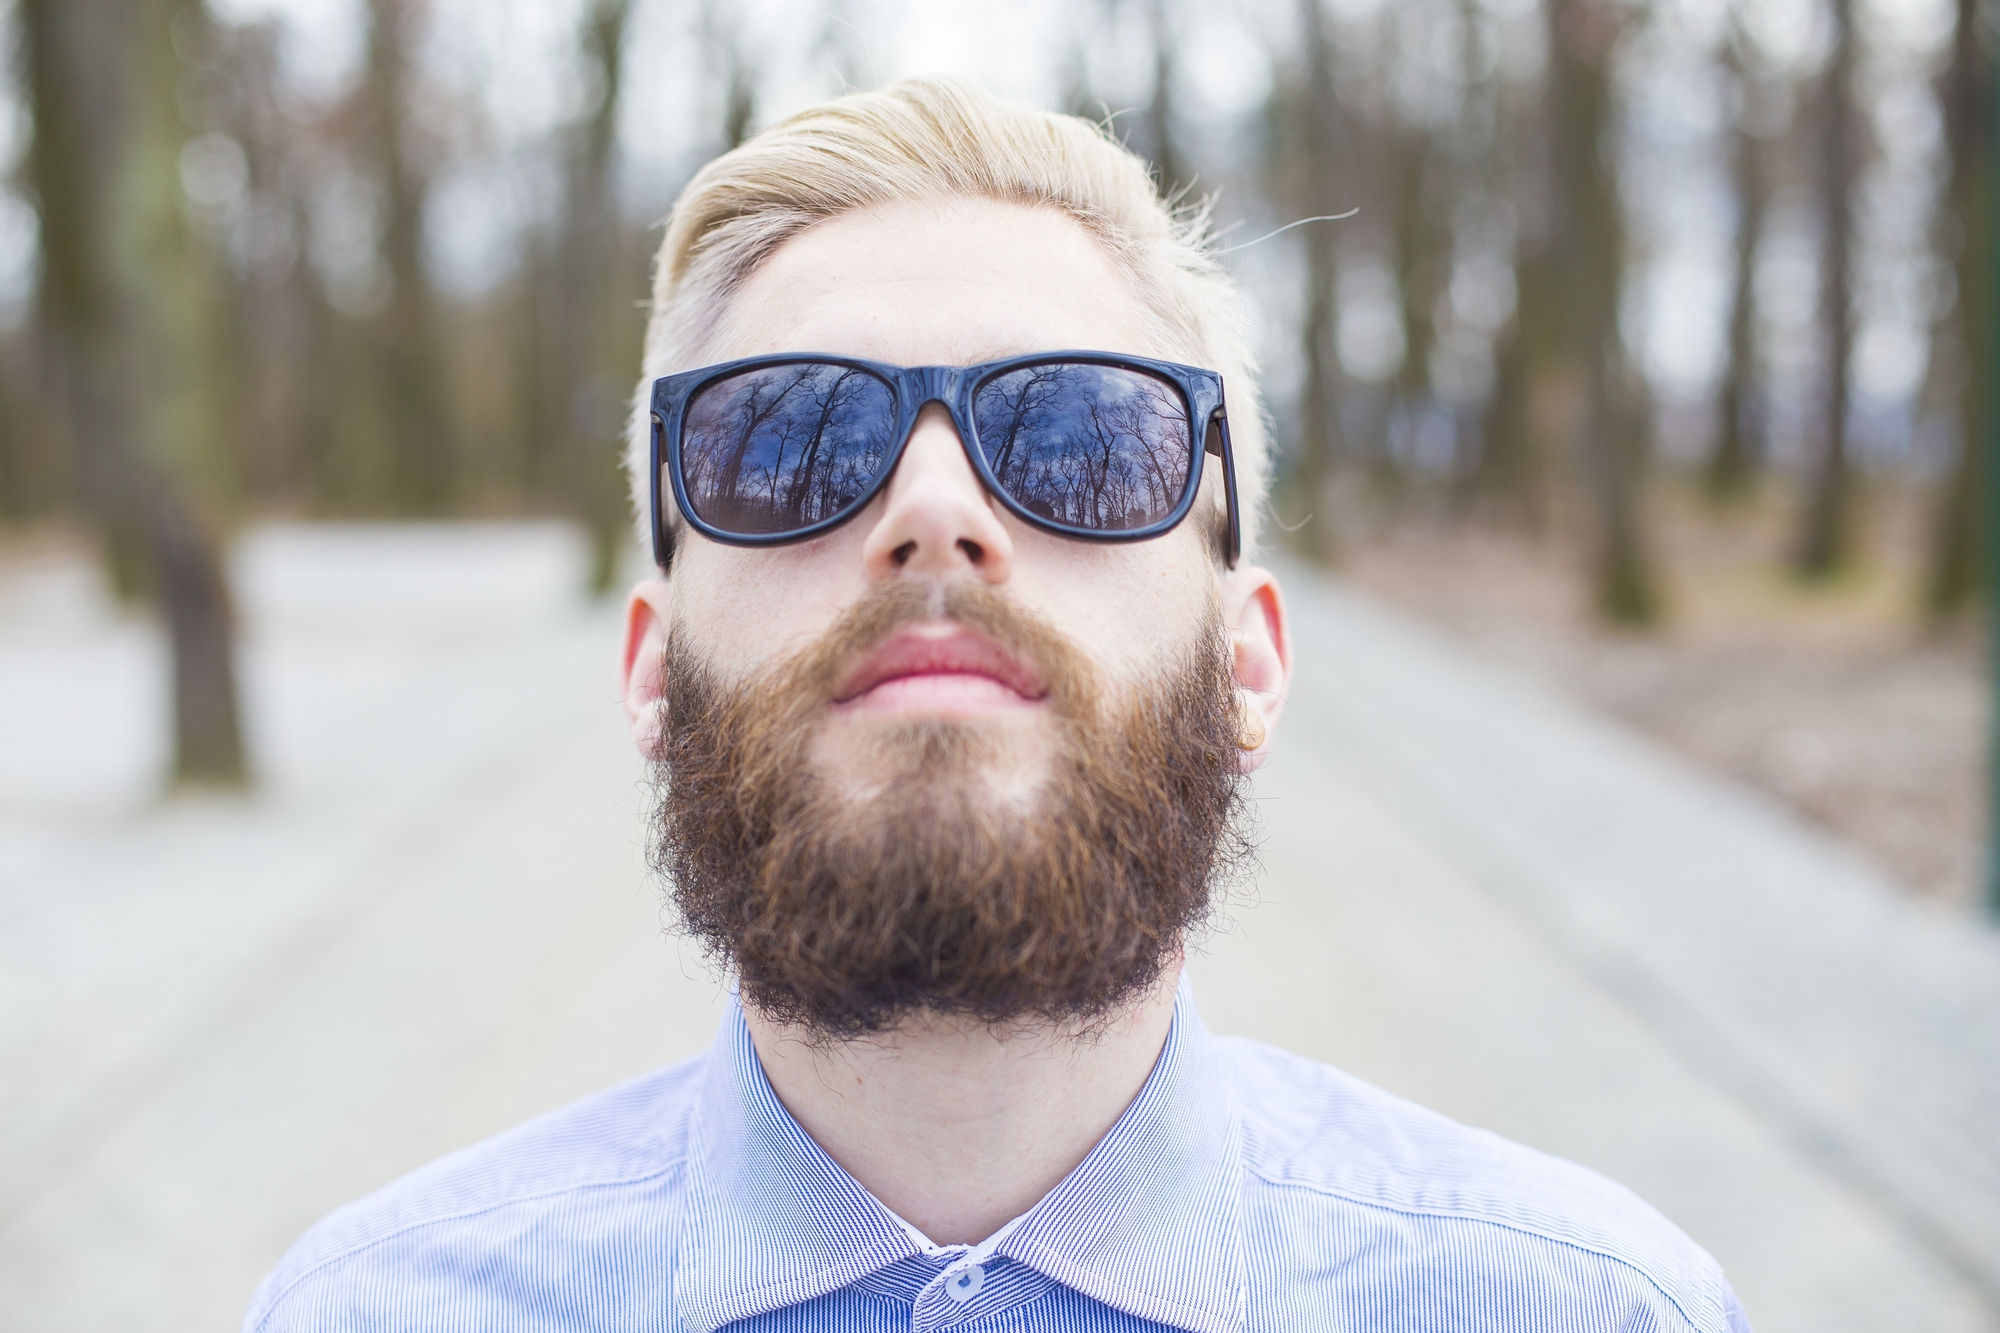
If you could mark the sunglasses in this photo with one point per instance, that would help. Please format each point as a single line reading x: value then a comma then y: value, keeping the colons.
x: 1089, y: 445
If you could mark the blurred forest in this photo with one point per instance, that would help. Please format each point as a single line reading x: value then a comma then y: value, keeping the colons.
x: 1610, y: 256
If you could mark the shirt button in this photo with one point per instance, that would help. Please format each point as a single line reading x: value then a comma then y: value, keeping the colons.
x: 964, y: 1284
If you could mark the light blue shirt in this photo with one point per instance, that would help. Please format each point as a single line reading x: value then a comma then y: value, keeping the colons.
x: 1243, y: 1189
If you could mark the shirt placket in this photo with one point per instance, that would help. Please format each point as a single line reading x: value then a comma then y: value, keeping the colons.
x: 965, y: 1290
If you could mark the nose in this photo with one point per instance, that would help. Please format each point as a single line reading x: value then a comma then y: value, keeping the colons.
x: 937, y: 519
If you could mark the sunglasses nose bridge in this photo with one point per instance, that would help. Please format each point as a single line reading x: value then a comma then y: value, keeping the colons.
x: 943, y: 385
x: 933, y: 384
x: 935, y: 515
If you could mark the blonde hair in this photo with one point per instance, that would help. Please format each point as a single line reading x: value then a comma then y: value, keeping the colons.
x: 940, y: 138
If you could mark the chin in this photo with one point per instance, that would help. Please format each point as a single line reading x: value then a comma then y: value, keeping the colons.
x: 1009, y: 754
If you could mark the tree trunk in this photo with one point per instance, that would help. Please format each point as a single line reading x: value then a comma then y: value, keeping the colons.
x: 722, y: 56
x: 279, y: 379
x: 410, y: 369
x: 1422, y: 251
x: 194, y: 593
x: 1319, y: 406
x: 79, y: 110
x: 1584, y: 35
x: 124, y: 304
x: 1825, y: 542
x: 18, y: 492
x: 1171, y: 171
x: 1509, y: 471
x: 1306, y: 129
x: 1738, y: 454
x: 1966, y: 335
x: 1512, y: 470
x: 586, y: 259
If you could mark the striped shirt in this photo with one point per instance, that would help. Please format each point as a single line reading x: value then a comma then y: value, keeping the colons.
x: 1243, y: 1189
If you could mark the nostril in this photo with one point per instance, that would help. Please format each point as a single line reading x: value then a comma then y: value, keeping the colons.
x: 901, y: 555
x: 973, y: 550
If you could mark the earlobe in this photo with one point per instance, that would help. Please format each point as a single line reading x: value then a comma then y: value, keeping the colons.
x: 1261, y: 657
x: 642, y: 666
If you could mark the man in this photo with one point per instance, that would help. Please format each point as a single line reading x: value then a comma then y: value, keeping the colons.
x: 951, y: 671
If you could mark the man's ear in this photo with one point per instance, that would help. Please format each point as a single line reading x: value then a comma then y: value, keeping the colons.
x: 1261, y: 651
x: 642, y: 675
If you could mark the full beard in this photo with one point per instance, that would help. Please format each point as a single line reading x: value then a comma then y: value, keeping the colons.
x: 847, y: 907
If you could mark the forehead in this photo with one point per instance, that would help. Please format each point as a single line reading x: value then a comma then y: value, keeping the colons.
x: 938, y: 283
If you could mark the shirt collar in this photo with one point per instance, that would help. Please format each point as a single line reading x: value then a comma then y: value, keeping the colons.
x: 1149, y: 1223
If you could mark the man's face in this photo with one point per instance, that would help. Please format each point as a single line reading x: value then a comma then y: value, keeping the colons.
x: 949, y: 283
x: 941, y: 284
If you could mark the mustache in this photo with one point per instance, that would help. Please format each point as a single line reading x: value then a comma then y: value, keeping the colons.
x: 787, y: 700
x: 816, y: 671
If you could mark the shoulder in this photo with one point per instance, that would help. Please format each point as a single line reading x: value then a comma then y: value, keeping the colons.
x: 1449, y: 1205
x: 603, y: 1171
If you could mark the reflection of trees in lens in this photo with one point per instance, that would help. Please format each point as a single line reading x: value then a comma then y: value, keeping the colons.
x: 782, y: 448
x: 1090, y: 446
x: 722, y: 427
x: 837, y: 459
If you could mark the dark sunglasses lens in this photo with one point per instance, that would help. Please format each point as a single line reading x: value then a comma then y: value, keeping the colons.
x: 1094, y: 447
x: 781, y: 448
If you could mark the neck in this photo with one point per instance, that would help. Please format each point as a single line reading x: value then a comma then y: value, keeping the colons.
x: 954, y: 1127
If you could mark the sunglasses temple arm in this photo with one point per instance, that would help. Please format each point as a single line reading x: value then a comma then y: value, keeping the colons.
x: 663, y: 540
x: 1234, y: 551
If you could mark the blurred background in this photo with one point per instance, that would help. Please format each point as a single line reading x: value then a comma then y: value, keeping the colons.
x: 1657, y: 316
x: 1632, y: 413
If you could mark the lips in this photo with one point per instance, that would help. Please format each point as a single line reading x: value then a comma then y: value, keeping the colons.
x: 937, y: 653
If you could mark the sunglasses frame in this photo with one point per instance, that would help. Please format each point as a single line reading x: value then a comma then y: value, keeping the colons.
x: 915, y: 388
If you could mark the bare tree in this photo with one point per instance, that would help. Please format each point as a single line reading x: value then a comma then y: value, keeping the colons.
x: 1420, y: 238
x: 410, y: 367
x: 124, y: 304
x: 1511, y: 473
x: 1965, y: 338
x: 1583, y: 39
x: 1825, y: 540
x: 72, y: 170
x: 275, y: 376
x: 724, y: 59
x: 1077, y: 97
x: 1304, y: 167
x: 1154, y: 130
x: 1738, y: 452
x: 1171, y: 169
x: 1421, y: 181
x: 19, y: 495
x: 586, y: 310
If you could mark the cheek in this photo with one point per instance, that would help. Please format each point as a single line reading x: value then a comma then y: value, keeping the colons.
x: 1131, y: 608
x: 747, y: 609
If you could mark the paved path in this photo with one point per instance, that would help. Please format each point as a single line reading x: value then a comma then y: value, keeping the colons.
x: 218, y: 1021
x: 1540, y: 923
